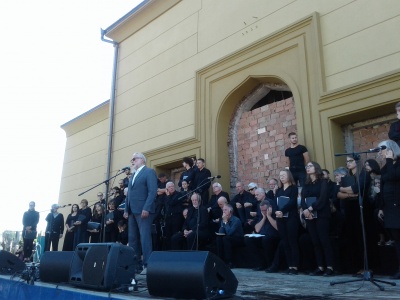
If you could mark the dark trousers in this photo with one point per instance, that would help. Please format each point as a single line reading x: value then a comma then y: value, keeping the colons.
x: 172, y: 225
x: 319, y: 233
x: 28, y: 246
x: 352, y: 234
x: 51, y: 239
x: 288, y: 229
x: 225, y: 246
x: 265, y: 247
x: 395, y: 233
x: 299, y: 176
x: 180, y: 242
x: 81, y: 235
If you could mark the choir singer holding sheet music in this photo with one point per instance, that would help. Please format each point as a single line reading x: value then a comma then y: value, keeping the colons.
x: 287, y: 219
x: 315, y: 202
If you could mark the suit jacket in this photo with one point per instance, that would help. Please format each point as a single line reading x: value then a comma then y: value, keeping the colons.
x: 142, y: 193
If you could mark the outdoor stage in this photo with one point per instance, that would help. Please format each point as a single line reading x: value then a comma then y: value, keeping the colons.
x: 252, y: 285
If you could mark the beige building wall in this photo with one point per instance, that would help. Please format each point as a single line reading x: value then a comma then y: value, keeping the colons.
x: 183, y: 66
x: 85, y: 156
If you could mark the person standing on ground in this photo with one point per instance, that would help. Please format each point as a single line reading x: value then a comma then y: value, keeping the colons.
x: 140, y: 207
x: 297, y: 158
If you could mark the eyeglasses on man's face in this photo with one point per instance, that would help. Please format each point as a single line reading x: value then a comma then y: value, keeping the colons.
x: 135, y: 158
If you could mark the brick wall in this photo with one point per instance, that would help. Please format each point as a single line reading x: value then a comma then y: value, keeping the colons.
x: 262, y: 137
x: 262, y: 140
x: 366, y: 135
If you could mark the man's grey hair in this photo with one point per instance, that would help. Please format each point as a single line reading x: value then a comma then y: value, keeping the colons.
x: 140, y: 155
x: 342, y: 171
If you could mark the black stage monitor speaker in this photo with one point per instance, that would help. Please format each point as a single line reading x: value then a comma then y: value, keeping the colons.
x: 54, y: 266
x: 189, y: 275
x: 10, y: 264
x: 102, y: 266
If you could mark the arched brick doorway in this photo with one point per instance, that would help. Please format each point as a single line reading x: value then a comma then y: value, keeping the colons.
x: 258, y: 133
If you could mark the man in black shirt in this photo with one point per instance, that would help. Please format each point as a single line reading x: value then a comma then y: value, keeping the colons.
x: 201, y: 181
x: 173, y: 213
x: 272, y: 187
x: 218, y: 192
x: 394, y: 131
x: 297, y: 158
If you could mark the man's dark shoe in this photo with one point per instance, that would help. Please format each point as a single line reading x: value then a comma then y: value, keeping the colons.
x: 230, y: 265
x: 317, y: 272
x: 272, y: 270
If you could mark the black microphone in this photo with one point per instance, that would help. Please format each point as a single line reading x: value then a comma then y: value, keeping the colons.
x: 377, y: 149
x: 126, y: 168
x: 213, y: 177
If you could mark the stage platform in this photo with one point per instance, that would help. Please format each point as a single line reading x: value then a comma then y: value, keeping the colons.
x: 252, y: 285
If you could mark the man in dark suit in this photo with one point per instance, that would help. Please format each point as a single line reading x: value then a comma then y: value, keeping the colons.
x: 140, y: 207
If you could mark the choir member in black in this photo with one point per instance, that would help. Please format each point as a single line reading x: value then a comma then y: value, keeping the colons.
x: 287, y: 220
x: 81, y: 235
x: 349, y: 204
x: 123, y: 233
x: 188, y: 174
x: 69, y: 226
x: 173, y: 213
x: 375, y: 194
x: 331, y: 184
x: 96, y: 235
x: 128, y: 175
x: 250, y: 208
x: 159, y: 220
x: 216, y: 215
x: 217, y: 193
x: 100, y: 198
x: 297, y: 158
x: 54, y: 228
x: 265, y: 224
x: 394, y: 131
x: 186, y: 194
x: 118, y: 195
x: 238, y: 202
x: 390, y: 189
x: 272, y: 188
x: 201, y: 181
x: 230, y: 235
x: 195, y: 222
x: 29, y: 221
x: 113, y: 216
x: 318, y: 227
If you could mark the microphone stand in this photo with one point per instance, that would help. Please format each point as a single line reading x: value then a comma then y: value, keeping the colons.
x: 367, y: 275
x: 106, y: 182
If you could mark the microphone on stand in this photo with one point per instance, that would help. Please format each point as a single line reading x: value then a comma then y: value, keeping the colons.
x: 213, y: 177
x: 377, y: 149
x: 126, y: 168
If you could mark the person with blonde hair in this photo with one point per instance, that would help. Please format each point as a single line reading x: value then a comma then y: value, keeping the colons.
x: 389, y: 210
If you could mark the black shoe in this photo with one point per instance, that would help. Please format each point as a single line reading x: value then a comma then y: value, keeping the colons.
x: 259, y: 269
x: 293, y: 272
x: 317, y: 272
x: 286, y: 272
x: 272, y: 270
x: 396, y: 276
x: 230, y: 265
x: 329, y: 272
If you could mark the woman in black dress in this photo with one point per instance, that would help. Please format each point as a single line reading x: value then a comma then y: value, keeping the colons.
x: 97, y: 217
x: 113, y: 216
x: 317, y: 215
x: 390, y: 189
x: 69, y: 226
x: 287, y: 219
